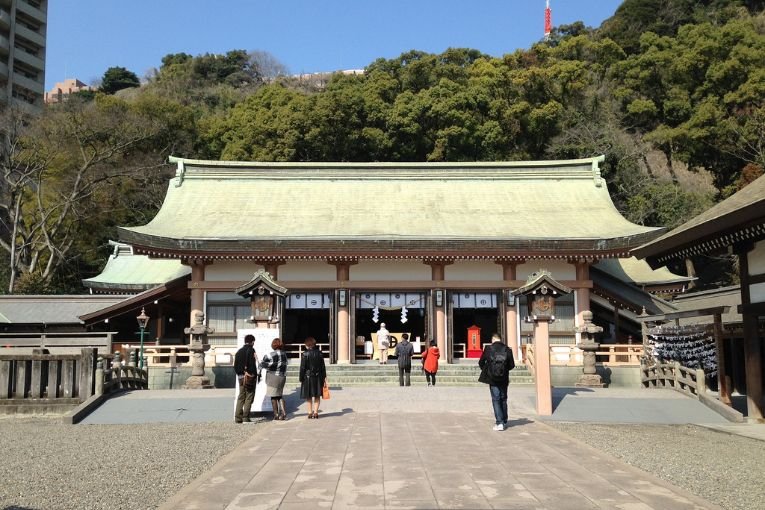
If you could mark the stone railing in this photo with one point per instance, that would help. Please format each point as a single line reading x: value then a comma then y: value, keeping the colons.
x: 45, y: 383
x: 41, y: 382
x: 112, y: 374
x: 690, y: 381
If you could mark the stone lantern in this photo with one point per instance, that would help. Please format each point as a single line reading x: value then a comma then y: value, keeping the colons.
x: 541, y: 291
x: 197, y: 346
x: 588, y: 345
x: 266, y: 299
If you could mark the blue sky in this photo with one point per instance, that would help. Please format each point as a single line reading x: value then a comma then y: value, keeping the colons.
x: 85, y: 37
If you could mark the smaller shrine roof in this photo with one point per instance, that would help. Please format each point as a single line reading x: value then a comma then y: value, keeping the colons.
x: 127, y: 272
x: 29, y: 309
x: 737, y: 218
x: 639, y: 272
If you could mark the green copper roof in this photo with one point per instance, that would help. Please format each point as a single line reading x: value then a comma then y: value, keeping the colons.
x: 129, y: 272
x: 240, y: 206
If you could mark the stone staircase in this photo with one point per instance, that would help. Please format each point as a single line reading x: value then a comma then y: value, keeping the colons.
x: 373, y: 374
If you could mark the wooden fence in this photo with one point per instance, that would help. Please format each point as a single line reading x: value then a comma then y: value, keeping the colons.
x: 612, y: 355
x: 41, y: 382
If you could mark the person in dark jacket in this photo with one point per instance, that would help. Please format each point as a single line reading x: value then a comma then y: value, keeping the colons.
x: 313, y: 373
x: 404, y: 353
x: 496, y: 362
x: 246, y: 368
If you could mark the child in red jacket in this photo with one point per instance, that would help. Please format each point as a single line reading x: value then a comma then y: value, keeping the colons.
x: 430, y: 363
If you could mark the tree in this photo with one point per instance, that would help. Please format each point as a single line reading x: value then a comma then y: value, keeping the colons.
x: 55, y: 168
x: 118, y: 78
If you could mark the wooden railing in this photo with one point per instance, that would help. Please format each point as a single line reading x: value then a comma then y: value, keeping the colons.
x: 690, y: 381
x: 607, y: 355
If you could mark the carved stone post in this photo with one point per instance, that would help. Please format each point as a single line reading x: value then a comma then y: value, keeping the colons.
x: 588, y: 345
x: 197, y: 347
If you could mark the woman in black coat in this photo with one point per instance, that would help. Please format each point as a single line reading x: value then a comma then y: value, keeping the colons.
x: 313, y: 373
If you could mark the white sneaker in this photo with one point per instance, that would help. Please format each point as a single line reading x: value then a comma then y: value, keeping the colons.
x: 499, y: 427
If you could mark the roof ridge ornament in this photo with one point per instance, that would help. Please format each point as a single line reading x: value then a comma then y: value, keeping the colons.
x: 596, y: 176
x: 180, y: 172
x: 261, y: 283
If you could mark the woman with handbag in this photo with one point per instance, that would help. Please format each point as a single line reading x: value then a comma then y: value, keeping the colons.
x: 313, y: 375
x: 275, y: 364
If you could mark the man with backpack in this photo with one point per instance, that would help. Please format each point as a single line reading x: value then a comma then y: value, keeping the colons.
x: 496, y: 363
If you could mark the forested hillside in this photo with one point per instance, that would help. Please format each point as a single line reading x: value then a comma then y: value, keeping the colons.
x: 671, y: 91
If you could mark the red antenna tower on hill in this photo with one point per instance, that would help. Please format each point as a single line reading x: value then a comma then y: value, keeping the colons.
x: 548, y: 20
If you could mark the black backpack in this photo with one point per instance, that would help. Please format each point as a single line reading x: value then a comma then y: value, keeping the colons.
x: 497, y: 368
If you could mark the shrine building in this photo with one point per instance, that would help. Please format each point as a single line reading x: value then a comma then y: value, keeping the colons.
x: 430, y: 249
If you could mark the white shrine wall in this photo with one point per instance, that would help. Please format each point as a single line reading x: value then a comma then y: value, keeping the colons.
x: 559, y: 269
x: 231, y: 270
x: 390, y: 270
x: 477, y: 270
x: 307, y: 271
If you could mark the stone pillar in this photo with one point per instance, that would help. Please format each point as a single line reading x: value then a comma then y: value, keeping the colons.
x: 542, y: 366
x: 197, y: 292
x: 509, y: 272
x: 197, y: 346
x: 582, y: 293
x: 588, y: 345
x: 343, y: 272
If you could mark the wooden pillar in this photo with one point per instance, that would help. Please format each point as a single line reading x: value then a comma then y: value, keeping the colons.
x: 723, y: 379
x: 509, y: 272
x: 752, y: 344
x: 437, y: 273
x: 542, y: 367
x: 582, y: 293
x: 343, y: 271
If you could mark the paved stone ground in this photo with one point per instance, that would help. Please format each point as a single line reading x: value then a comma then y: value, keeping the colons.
x: 420, y: 447
x: 377, y: 460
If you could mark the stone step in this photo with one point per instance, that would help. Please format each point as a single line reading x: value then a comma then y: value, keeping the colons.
x: 373, y: 374
x: 390, y: 379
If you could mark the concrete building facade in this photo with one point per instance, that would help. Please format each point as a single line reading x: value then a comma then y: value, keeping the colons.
x: 23, y: 29
x: 62, y: 89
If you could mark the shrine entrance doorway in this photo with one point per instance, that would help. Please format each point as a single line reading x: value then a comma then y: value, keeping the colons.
x: 401, y: 312
x: 307, y: 314
x: 469, y: 309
